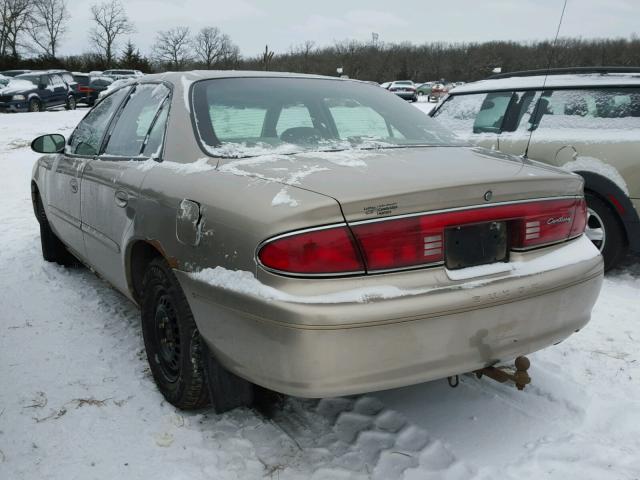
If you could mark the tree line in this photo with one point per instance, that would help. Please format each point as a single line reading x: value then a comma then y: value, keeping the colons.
x: 31, y: 32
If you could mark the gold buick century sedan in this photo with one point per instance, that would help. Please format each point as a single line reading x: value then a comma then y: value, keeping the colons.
x: 311, y: 235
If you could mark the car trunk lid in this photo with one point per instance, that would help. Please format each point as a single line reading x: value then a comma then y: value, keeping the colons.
x: 389, y: 182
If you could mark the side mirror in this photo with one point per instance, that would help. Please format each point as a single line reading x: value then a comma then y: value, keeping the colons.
x: 42, y: 86
x: 53, y: 143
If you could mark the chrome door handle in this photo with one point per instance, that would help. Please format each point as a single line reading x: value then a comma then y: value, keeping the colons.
x: 73, y: 184
x: 122, y: 198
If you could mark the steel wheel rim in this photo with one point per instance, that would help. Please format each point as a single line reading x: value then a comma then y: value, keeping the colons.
x: 167, y: 336
x: 595, y: 230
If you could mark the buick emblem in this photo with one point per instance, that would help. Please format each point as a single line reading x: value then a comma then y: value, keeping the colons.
x: 488, y: 195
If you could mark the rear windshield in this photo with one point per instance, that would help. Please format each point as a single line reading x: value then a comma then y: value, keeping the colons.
x: 251, y: 116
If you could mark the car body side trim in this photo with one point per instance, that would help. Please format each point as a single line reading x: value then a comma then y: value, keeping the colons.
x: 62, y: 215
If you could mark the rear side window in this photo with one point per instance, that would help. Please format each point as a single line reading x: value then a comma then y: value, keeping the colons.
x: 56, y: 81
x: 602, y: 109
x: 129, y: 134
x: 155, y: 139
x: 87, y: 137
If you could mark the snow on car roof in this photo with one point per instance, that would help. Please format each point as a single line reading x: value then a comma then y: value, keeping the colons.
x: 175, y: 77
x: 553, y: 81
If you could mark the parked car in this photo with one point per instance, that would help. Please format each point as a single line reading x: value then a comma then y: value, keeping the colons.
x: 438, y: 91
x: 13, y: 73
x: 36, y: 91
x: 378, y: 252
x: 122, y: 74
x: 90, y: 87
x: 404, y: 89
x: 424, y: 88
x: 585, y: 120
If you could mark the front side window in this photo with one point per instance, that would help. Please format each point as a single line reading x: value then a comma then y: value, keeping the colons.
x: 458, y: 113
x: 235, y: 118
x: 130, y: 131
x: 492, y: 112
x: 87, y: 137
x: 475, y: 113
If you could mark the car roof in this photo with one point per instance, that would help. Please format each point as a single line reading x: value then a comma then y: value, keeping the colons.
x: 194, y: 75
x: 534, y: 82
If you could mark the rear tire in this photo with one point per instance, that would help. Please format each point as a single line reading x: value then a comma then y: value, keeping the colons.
x: 605, y: 229
x: 71, y: 103
x: 186, y: 374
x: 53, y: 250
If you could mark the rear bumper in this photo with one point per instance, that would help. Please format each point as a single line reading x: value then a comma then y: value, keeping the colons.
x: 326, y: 349
x: 406, y: 95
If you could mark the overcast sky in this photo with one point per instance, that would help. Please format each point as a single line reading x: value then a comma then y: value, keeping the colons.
x: 283, y: 23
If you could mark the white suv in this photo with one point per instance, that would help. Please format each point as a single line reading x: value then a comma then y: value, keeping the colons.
x: 586, y: 120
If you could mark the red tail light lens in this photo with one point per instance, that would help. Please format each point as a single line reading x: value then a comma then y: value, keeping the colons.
x: 418, y: 240
x: 401, y: 243
x: 84, y: 89
x: 327, y: 251
x: 549, y: 222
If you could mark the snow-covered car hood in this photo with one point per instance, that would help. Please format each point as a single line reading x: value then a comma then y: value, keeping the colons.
x: 17, y: 86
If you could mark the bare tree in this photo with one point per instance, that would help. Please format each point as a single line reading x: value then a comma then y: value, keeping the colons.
x: 267, y: 57
x: 173, y: 47
x: 214, y: 47
x: 14, y: 15
x: 47, y: 24
x: 111, y: 22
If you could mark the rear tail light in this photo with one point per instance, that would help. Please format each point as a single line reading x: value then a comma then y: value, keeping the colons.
x: 325, y: 251
x: 549, y: 222
x: 417, y: 240
x: 84, y: 89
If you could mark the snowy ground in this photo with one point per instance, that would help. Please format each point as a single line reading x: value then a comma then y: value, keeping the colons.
x: 77, y: 400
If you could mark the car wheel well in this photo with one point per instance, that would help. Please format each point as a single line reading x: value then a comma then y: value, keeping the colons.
x: 142, y: 254
x: 612, y: 207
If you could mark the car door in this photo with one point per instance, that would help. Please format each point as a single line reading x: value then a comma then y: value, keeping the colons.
x: 59, y: 91
x: 63, y: 178
x: 110, y: 184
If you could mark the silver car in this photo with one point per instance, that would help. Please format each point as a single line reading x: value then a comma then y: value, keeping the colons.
x: 310, y: 235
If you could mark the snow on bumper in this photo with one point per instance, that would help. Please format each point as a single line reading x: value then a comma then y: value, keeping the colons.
x: 427, y: 326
